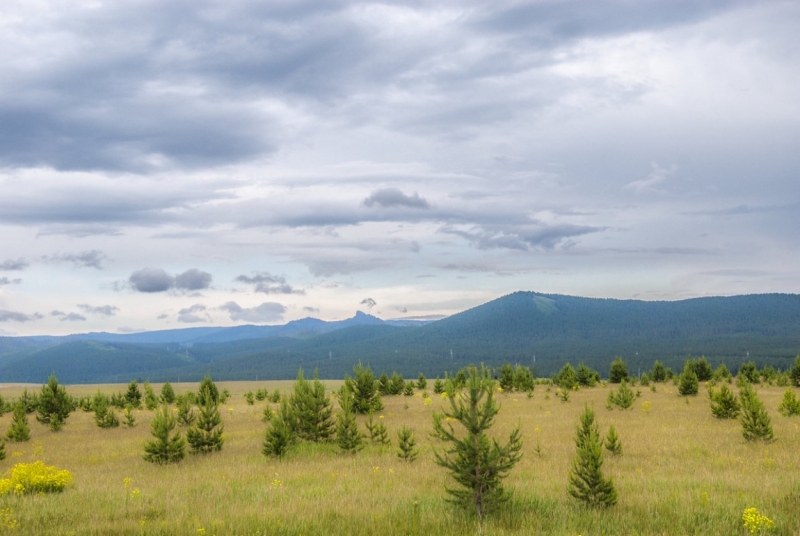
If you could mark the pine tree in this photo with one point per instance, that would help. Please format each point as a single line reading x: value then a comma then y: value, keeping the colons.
x: 477, y: 463
x: 364, y: 388
x: 613, y: 443
x: 104, y: 416
x: 54, y: 405
x: 622, y: 398
x: 383, y: 384
x: 206, y: 435
x: 790, y: 405
x: 186, y: 414
x: 723, y: 403
x: 133, y: 397
x: 722, y: 373
x: 348, y: 437
x: 274, y: 396
x: 523, y: 379
x: 755, y: 419
x: 150, y: 398
x: 586, y: 480
x: 618, y: 371
x: 377, y: 431
x: 659, y: 373
x: 19, y: 430
x: 422, y: 383
x: 407, y: 444
x: 166, y: 447
x: 438, y: 386
x: 586, y: 377
x: 279, y: 436
x: 794, y: 374
x: 566, y: 378
x: 396, y: 384
x: 250, y: 398
x: 748, y: 373
x: 311, y: 409
x: 506, y: 377
x: 261, y: 394
x: 130, y: 420
x: 689, y: 384
x: 207, y: 388
x: 167, y: 393
x: 408, y: 390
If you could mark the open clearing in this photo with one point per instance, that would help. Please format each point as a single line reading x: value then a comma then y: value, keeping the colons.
x: 682, y: 472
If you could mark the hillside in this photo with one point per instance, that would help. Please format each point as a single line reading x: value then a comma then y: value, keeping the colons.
x: 544, y: 330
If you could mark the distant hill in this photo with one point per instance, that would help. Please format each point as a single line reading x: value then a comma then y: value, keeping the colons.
x: 545, y: 330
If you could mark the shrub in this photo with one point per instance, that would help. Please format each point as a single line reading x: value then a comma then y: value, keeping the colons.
x: 724, y: 404
x: 755, y: 419
x: 34, y: 477
x: 790, y: 404
x: 586, y: 480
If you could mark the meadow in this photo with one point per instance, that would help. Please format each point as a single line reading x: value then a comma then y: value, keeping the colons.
x: 682, y: 472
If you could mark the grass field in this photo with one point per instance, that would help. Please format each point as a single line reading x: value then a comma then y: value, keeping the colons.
x: 682, y: 472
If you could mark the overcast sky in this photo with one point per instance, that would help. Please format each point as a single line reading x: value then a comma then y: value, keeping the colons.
x: 192, y: 163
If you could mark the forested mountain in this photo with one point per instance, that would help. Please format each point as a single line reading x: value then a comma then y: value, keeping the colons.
x: 545, y: 330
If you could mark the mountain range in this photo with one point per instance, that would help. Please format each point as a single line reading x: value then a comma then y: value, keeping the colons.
x: 534, y: 329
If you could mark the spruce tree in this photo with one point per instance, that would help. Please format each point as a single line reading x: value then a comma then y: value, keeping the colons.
x: 364, y: 388
x: 790, y: 405
x: 279, y: 436
x: 689, y: 384
x: 166, y: 447
x: 167, y: 393
x: 755, y: 420
x: 407, y: 445
x: 723, y: 403
x: 133, y: 397
x: 206, y: 435
x: 477, y: 463
x: 19, y: 430
x: 349, y: 439
x: 613, y: 443
x: 311, y: 409
x: 586, y: 480
x: 618, y: 371
x: 54, y: 405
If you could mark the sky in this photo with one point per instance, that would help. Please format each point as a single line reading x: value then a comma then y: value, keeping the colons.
x: 194, y: 163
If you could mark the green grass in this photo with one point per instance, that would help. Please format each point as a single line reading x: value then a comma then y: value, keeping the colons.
x: 682, y: 472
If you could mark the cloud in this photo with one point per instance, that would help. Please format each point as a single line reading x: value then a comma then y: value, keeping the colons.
x: 369, y: 302
x: 102, y: 310
x: 521, y: 237
x: 86, y: 259
x: 269, y: 284
x: 11, y: 265
x: 72, y: 317
x: 393, y: 197
x: 311, y: 309
x: 652, y: 181
x: 189, y: 315
x: 151, y: 280
x: 266, y: 312
x: 13, y: 316
x: 7, y: 281
x: 193, y: 279
x: 158, y: 280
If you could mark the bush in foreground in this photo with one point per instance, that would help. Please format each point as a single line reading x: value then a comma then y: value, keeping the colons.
x: 34, y: 477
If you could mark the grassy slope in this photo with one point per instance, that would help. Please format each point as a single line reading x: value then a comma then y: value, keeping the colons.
x: 682, y: 472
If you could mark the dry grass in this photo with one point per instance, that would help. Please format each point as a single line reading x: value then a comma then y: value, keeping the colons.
x: 682, y: 472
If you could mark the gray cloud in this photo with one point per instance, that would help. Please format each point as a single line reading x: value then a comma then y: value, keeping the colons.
x: 269, y: 284
x: 11, y: 264
x: 86, y: 259
x: 521, y: 237
x: 151, y: 280
x: 393, y: 197
x: 13, y: 316
x: 311, y: 309
x: 72, y: 317
x: 266, y: 312
x: 7, y: 281
x: 193, y: 279
x: 102, y: 310
x: 190, y: 315
x: 369, y: 302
